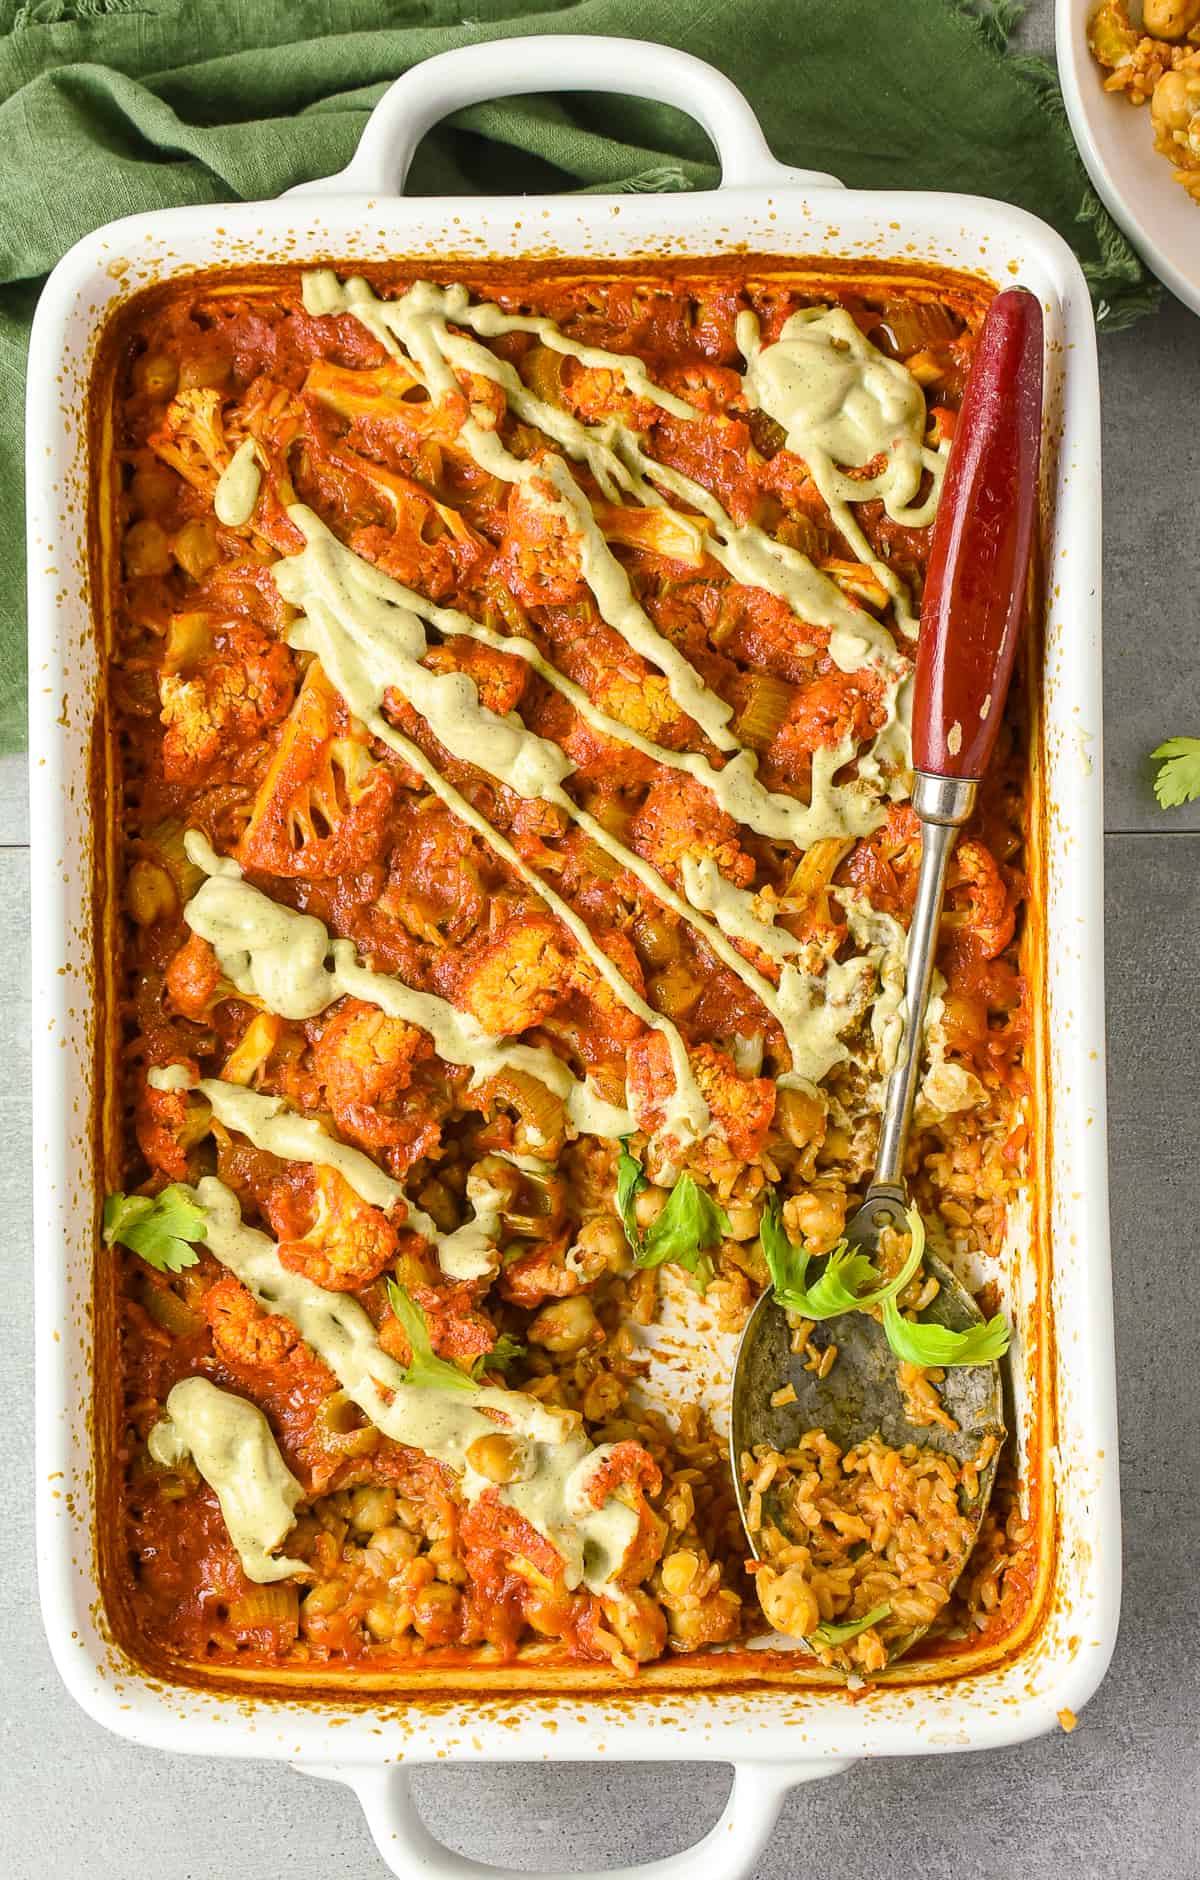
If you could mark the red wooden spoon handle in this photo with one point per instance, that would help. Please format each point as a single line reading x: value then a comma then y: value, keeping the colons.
x: 979, y: 562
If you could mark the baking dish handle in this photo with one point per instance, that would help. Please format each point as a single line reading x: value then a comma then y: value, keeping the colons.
x: 729, y: 1851
x: 507, y: 68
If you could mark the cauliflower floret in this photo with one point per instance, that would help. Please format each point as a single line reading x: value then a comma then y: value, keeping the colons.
x: 456, y: 1326
x: 170, y: 1122
x: 836, y: 706
x: 678, y: 818
x: 226, y: 704
x: 539, y: 557
x: 624, y: 1462
x: 595, y: 393
x: 194, y: 978
x: 712, y: 389
x: 638, y: 1623
x: 544, y: 1273
x: 607, y: 1014
x: 518, y: 975
x: 644, y: 703
x: 366, y: 1063
x: 327, y: 1232
x: 742, y: 1107
x: 192, y: 438
x: 244, y: 1336
x: 364, y: 1056
x: 980, y: 912
x: 499, y: 678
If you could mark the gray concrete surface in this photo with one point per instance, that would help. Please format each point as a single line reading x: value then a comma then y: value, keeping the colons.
x: 1119, y: 1798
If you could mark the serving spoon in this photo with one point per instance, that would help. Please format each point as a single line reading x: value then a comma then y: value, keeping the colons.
x: 970, y: 621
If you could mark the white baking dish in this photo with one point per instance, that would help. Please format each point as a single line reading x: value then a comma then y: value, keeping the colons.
x: 777, y: 1735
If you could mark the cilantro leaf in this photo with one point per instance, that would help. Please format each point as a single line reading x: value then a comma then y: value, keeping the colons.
x: 157, y: 1228
x: 425, y: 1371
x: 504, y: 1352
x: 929, y: 1344
x: 682, y: 1234
x: 1178, y: 779
x: 631, y: 1179
x: 688, y: 1226
x: 849, y: 1281
x: 829, y: 1634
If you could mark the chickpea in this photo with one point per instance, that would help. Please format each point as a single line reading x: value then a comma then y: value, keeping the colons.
x: 146, y: 550
x: 638, y: 1623
x: 649, y: 1205
x: 149, y: 893
x: 195, y: 548
x: 381, y: 1621
x: 322, y: 1601
x: 657, y: 939
x: 1169, y: 19
x: 498, y: 1456
x: 676, y: 990
x: 390, y: 1548
x: 678, y: 1572
x: 372, y: 1508
x: 152, y: 488
x: 818, y: 1216
x: 743, y: 1220
x: 189, y: 639
x: 435, y: 1612
x: 1175, y: 102
x: 600, y: 1244
x: 155, y: 376
x: 707, y: 1621
x: 603, y: 1397
x: 437, y: 1200
x: 443, y: 1557
x: 799, y: 1117
x: 837, y: 1146
x: 566, y: 1326
x: 788, y: 1602
x: 211, y: 371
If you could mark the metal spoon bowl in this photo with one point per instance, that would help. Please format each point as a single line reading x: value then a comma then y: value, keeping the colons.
x: 859, y: 1398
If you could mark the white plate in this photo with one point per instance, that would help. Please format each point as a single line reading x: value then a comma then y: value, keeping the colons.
x: 1116, y: 143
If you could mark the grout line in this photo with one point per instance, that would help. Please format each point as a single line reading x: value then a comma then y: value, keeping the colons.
x: 1149, y: 835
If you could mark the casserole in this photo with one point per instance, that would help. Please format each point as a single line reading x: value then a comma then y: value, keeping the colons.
x: 762, y: 208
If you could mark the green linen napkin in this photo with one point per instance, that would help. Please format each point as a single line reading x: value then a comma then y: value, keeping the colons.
x: 108, y: 107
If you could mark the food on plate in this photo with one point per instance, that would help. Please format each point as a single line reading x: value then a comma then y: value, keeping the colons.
x: 1160, y: 63
x: 509, y: 693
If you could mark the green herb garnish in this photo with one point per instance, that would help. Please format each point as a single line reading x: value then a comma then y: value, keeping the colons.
x: 631, y: 1179
x: 849, y: 1281
x: 503, y: 1353
x: 1178, y: 779
x: 425, y: 1371
x: 921, y: 1342
x: 158, y: 1228
x: 690, y: 1224
x: 830, y: 1635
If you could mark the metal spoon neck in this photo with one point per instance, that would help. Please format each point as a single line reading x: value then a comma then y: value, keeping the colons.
x: 943, y: 804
